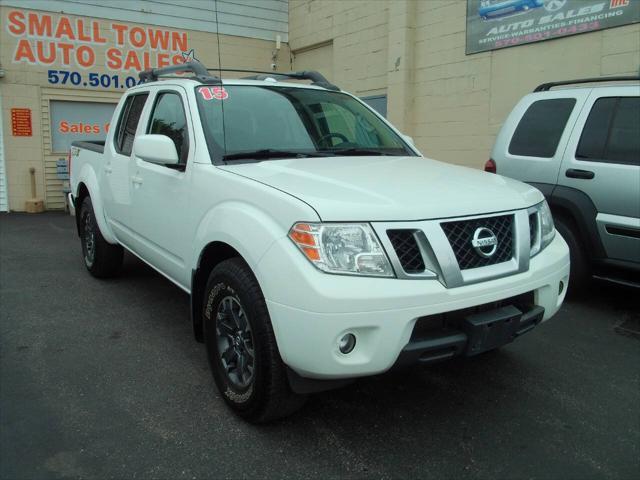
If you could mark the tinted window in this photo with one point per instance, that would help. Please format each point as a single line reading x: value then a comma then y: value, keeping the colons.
x: 624, y: 135
x: 168, y: 119
x: 129, y: 122
x: 612, y: 132
x: 539, y: 131
x: 594, y: 135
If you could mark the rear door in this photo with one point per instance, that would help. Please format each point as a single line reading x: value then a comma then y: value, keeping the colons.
x: 116, y: 184
x: 603, y: 161
x: 161, y: 193
x: 531, y: 142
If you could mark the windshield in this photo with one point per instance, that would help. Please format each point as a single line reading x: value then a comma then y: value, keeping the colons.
x: 278, y: 122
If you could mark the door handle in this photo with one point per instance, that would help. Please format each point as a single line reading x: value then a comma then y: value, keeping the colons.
x: 136, y: 180
x: 107, y: 169
x: 583, y: 174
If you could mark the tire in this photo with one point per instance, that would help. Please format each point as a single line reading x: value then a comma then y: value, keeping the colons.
x: 580, y: 276
x: 241, y: 346
x: 102, y: 259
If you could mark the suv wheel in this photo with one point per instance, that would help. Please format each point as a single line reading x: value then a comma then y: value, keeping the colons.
x: 101, y: 258
x: 241, y: 346
x: 580, y: 275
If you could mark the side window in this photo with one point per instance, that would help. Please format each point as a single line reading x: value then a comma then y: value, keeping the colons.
x: 168, y: 118
x: 541, y: 127
x: 128, y: 122
x: 596, y: 130
x: 610, y: 133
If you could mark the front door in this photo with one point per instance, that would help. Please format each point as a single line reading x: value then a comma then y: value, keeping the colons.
x: 161, y: 193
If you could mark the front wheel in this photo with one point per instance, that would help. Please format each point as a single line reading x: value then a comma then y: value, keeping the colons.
x: 241, y: 346
x: 101, y: 258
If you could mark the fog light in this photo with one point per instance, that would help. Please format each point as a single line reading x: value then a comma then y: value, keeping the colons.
x: 560, y: 288
x: 347, y: 343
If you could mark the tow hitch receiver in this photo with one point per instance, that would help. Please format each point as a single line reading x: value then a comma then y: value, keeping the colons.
x: 492, y: 329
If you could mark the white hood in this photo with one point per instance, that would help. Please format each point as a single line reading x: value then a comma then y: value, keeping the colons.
x: 385, y: 188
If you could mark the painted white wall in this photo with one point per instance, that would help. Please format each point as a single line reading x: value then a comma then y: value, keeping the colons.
x: 4, y: 203
x: 263, y: 19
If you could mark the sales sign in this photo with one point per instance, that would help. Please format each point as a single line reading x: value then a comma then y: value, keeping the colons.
x: 72, y: 121
x: 494, y: 24
x: 91, y: 53
x: 21, y: 122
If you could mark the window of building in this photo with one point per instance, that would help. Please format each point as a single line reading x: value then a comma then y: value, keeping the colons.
x: 378, y: 103
x: 168, y: 118
x: 128, y: 122
x: 541, y: 127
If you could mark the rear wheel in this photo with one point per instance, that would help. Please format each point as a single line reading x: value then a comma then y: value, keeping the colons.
x: 580, y: 275
x: 101, y: 258
x: 241, y: 346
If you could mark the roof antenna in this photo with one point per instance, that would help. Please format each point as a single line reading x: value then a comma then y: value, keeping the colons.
x: 224, y: 131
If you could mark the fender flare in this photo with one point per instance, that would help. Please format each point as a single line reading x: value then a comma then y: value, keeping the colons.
x: 579, y: 207
x: 244, y: 228
x: 88, y: 177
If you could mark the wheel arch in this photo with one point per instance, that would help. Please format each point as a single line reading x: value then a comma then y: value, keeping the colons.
x: 576, y: 207
x: 88, y: 184
x: 212, y: 254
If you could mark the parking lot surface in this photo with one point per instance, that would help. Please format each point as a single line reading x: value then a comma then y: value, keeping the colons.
x: 102, y: 379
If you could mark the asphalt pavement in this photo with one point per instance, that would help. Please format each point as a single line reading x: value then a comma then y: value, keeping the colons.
x: 102, y: 379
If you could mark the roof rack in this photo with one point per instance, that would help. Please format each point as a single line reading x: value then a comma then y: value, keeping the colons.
x: 548, y: 86
x: 200, y: 71
x: 316, y: 78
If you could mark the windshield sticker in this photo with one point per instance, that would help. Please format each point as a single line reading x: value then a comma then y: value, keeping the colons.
x: 213, y: 93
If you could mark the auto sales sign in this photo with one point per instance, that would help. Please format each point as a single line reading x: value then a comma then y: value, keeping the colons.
x: 494, y: 24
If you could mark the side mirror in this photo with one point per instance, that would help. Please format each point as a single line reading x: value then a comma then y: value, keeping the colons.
x: 158, y: 149
x: 409, y: 140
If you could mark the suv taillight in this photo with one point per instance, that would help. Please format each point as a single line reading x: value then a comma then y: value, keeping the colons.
x: 490, y: 166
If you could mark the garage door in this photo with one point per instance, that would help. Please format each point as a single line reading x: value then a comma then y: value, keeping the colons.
x: 318, y: 58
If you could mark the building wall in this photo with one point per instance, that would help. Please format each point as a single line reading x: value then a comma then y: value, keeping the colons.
x: 262, y: 19
x: 26, y: 83
x: 451, y: 103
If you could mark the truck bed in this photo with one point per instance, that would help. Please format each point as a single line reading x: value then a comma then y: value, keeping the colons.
x: 93, y: 145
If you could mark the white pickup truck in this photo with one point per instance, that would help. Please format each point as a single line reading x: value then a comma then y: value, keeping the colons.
x: 317, y: 244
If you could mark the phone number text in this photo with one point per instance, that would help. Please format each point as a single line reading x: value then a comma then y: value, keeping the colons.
x: 97, y: 80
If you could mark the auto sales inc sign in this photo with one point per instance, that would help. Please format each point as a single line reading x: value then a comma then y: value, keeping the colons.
x: 494, y: 24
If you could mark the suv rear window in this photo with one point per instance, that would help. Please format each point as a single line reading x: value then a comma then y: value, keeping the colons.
x: 610, y: 133
x: 541, y: 126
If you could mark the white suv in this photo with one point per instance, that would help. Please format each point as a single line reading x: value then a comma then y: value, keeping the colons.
x: 316, y: 243
x: 579, y: 143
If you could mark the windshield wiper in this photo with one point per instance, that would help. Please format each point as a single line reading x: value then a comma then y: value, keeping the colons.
x: 269, y: 153
x: 358, y: 151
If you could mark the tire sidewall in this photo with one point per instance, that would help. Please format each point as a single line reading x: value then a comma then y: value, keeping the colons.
x: 87, y: 210
x: 219, y: 286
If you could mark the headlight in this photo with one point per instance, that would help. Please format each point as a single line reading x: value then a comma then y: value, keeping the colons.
x: 544, y: 228
x: 344, y: 248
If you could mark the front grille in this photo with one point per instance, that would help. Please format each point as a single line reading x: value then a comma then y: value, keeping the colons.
x: 460, y: 233
x: 406, y: 247
x: 533, y: 228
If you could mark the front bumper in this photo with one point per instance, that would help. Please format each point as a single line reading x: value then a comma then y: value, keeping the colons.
x: 315, y: 310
